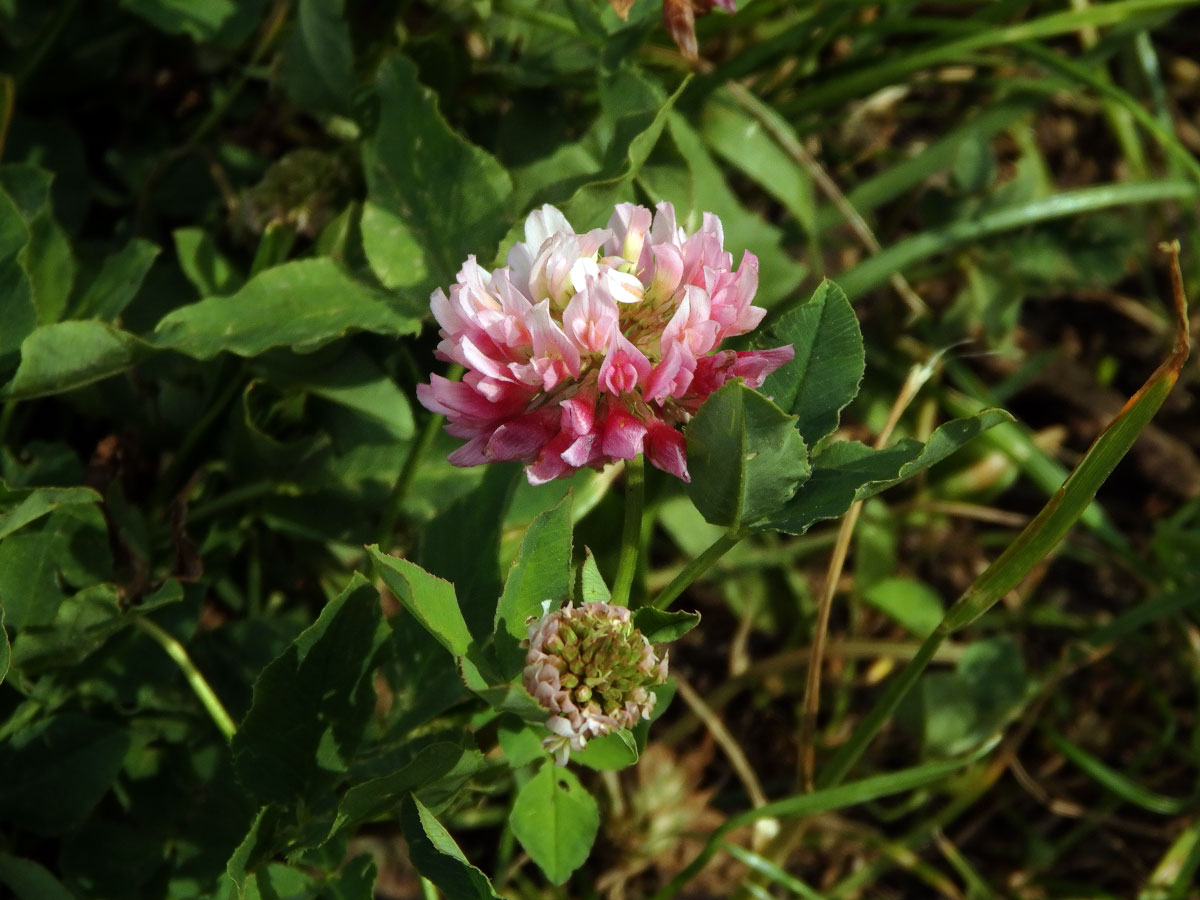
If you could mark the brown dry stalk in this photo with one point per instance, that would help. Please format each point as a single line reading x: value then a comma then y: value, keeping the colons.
x: 917, y: 377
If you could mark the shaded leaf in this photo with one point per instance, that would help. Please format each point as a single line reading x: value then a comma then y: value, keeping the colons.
x: 429, y: 598
x: 356, y: 880
x: 66, y: 764
x: 462, y: 545
x: 590, y: 586
x: 742, y: 141
x: 5, y: 648
x: 520, y: 743
x: 556, y: 820
x: 825, y: 373
x: 960, y: 710
x: 47, y: 257
x: 313, y: 702
x: 658, y: 626
x: 255, y: 847
x: 912, y: 603
x: 301, y: 304
x: 848, y: 471
x: 67, y: 355
x: 318, y: 70
x: 18, y: 314
x: 117, y: 282
x: 745, y: 457
x: 377, y: 796
x: 586, y: 177
x: 33, y: 503
x: 209, y: 271
x: 29, y: 880
x: 436, y: 856
x: 199, y: 19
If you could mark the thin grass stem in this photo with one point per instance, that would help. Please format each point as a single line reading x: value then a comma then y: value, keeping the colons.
x: 203, y: 690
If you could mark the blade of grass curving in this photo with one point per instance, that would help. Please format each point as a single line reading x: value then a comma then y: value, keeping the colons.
x: 1076, y: 656
x: 862, y: 81
x: 822, y: 801
x: 1116, y: 783
x: 764, y: 866
x: 875, y: 270
x: 1038, y: 538
x: 1015, y: 442
x: 939, y: 156
x: 1173, y: 876
x: 1165, y: 136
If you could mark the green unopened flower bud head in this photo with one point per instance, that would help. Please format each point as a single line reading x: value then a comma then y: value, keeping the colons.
x: 591, y: 668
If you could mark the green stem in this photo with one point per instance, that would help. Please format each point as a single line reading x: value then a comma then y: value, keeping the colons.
x: 631, y: 534
x: 203, y: 690
x: 695, y: 569
x: 896, y: 689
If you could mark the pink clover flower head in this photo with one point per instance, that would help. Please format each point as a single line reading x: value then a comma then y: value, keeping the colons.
x: 592, y: 670
x: 588, y: 348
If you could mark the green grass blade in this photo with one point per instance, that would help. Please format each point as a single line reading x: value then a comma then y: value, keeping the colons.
x: 1037, y: 539
x: 1014, y: 441
x: 896, y: 67
x: 875, y: 270
x: 1114, y: 782
x: 764, y: 866
x: 1164, y: 135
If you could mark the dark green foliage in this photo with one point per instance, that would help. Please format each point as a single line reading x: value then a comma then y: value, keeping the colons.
x: 220, y: 223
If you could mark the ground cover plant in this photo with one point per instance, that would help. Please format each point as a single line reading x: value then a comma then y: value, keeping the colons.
x: 571, y: 449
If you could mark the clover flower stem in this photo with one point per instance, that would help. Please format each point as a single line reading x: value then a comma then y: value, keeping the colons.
x: 203, y: 690
x: 631, y: 534
x: 695, y: 569
x: 395, y: 501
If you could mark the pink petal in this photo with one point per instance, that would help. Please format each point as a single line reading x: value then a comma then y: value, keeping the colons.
x: 623, y: 435
x: 755, y: 365
x: 628, y: 224
x: 520, y: 438
x: 666, y: 449
x: 624, y: 368
x: 668, y: 270
x: 549, y: 342
x: 591, y: 318
x: 584, y: 451
x: 460, y: 399
x: 471, y: 453
x: 578, y: 414
x: 549, y: 463
x: 671, y: 377
x: 664, y: 230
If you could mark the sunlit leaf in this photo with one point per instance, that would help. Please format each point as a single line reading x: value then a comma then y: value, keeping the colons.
x: 541, y: 571
x: 556, y: 821
x: 432, y: 197
x: 301, y: 304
